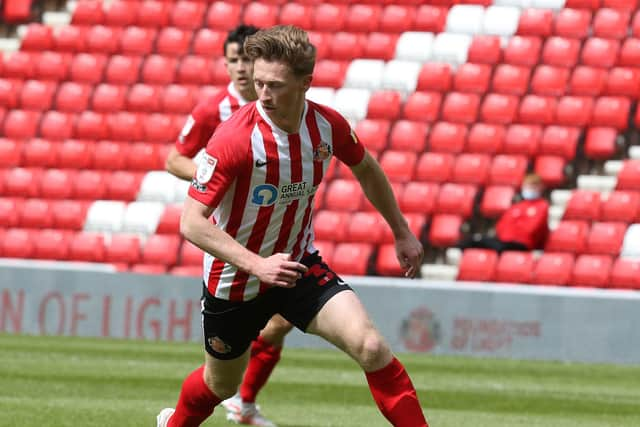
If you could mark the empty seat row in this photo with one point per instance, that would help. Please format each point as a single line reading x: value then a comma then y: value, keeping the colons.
x: 360, y: 258
x: 586, y: 205
x: 599, y: 238
x: 551, y: 268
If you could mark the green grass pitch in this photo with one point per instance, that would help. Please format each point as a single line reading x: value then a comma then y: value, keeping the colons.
x: 60, y: 381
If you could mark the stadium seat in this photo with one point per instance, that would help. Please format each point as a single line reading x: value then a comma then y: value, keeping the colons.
x: 144, y: 98
x: 478, y: 265
x: 549, y: 80
x: 123, y: 248
x: 73, y: 97
x: 383, y: 46
x: 346, y: 46
x: 471, y: 169
x: 223, y: 16
x: 158, y: 186
x: 120, y: 13
x: 511, y: 79
x: 75, y: 154
x: 352, y: 102
x: 10, y: 90
x: 53, y: 66
x: 18, y: 243
x: 448, y: 137
x: 57, y: 126
x: 331, y: 225
x: 52, y: 244
x: 435, y: 76
x: 124, y: 126
x: 445, y: 230
x: 473, y: 78
x: 91, y: 125
x: 399, y: 166
x: 169, y: 222
x: 572, y: 23
x: 158, y: 69
x: 329, y: 73
x: 108, y: 98
x: 105, y: 216
x: 10, y: 209
x: 187, y: 271
x: 88, y: 68
x: 591, y: 271
x: 352, y: 258
x: 102, y: 39
x: 574, y: 110
x: 19, y: 64
x: 599, y: 52
x: 629, y: 176
x: 625, y: 274
x: 629, y: 52
x: 561, y: 52
x: 187, y: 15
x: 408, y: 136
x: 162, y: 127
x: 396, y: 18
x: 419, y: 197
x: 422, y: 106
x: 499, y: 109
x: 261, y: 15
x: 90, y: 185
x: 37, y: 95
x: 605, y: 238
x: 137, y: 40
x: 343, y: 195
x: 465, y: 19
x: 173, y: 41
x: 177, y: 99
x: 373, y: 133
x: 553, y: 269
x: 560, y: 141
x: 551, y: 169
x: 124, y: 185
x: 57, y: 183
x: 460, y: 107
x: 384, y: 104
x: 22, y: 182
x: 536, y: 22
x: 329, y: 17
x: 457, y: 199
x: 190, y: 254
x: 322, y: 41
x: 587, y: 81
x: 20, y: 124
x: 485, y: 49
x: 623, y: 81
x: 622, y: 206
x: 88, y: 13
x: 400, y: 75
x: 611, y: 111
x: 38, y: 153
x: 194, y: 70
x: 365, y: 227
x: 435, y: 167
x: 365, y: 74
x: 161, y: 249
x: 10, y: 154
x: 507, y: 170
x: 363, y: 18
x: 208, y: 42
x: 583, y: 205
x: 143, y: 156
x: 70, y: 38
x: 35, y: 213
x: 496, y: 199
x: 501, y: 20
x: 387, y: 261
x: 630, y: 246
x: 296, y: 14
x: 451, y: 48
x: 611, y: 23
x: 484, y: 137
x: 523, y: 51
x: 515, y: 267
x: 123, y: 69
x: 430, y: 18
x: 601, y: 143
x: 537, y: 110
x: 68, y: 214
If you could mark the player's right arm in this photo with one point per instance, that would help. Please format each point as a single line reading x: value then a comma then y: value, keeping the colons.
x: 180, y: 165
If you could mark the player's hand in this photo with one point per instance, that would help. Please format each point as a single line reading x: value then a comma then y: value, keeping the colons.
x: 279, y: 270
x: 410, y: 253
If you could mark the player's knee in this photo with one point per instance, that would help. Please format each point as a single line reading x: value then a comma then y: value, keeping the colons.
x: 374, y: 350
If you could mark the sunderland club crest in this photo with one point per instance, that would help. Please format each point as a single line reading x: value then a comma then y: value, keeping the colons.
x: 322, y: 152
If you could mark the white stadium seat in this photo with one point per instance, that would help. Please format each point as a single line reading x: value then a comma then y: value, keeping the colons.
x: 180, y: 190
x: 401, y: 75
x: 501, y: 21
x: 465, y: 19
x: 142, y: 217
x: 365, y: 74
x: 522, y: 4
x: 157, y: 186
x: 451, y: 48
x: 106, y: 216
x: 322, y: 95
x: 352, y: 103
x: 631, y: 244
x: 548, y: 4
x: 415, y: 46
x: 597, y: 182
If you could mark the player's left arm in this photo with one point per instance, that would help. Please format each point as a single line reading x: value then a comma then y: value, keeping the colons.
x: 376, y: 187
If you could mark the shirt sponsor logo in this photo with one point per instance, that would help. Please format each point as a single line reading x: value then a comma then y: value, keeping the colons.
x: 264, y: 195
x: 268, y: 194
x: 205, y: 168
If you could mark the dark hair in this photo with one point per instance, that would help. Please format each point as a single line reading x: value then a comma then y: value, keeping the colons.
x: 238, y: 35
x: 284, y: 43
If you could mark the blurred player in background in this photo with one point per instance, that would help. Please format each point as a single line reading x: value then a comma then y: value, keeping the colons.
x: 258, y: 178
x: 204, y: 119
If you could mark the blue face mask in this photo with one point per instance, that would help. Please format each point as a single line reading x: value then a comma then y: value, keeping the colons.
x: 530, y: 194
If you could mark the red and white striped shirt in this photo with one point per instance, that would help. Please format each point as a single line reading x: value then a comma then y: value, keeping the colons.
x: 261, y: 181
x: 205, y: 118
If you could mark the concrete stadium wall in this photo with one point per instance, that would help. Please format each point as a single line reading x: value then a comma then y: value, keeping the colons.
x: 417, y: 316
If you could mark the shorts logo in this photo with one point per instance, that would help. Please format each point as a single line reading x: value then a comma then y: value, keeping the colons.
x: 264, y: 195
x: 218, y: 345
x: 322, y: 152
x: 206, y: 166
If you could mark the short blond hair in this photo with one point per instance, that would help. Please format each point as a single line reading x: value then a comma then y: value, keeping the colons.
x: 285, y: 43
x: 533, y: 179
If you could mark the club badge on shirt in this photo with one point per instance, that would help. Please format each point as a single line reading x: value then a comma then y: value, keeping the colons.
x: 322, y: 152
x: 205, y: 168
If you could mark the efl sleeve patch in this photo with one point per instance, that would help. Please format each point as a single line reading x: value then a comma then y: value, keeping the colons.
x: 206, y: 166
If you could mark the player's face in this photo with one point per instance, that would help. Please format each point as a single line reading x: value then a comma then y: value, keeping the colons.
x: 240, y: 69
x: 281, y: 93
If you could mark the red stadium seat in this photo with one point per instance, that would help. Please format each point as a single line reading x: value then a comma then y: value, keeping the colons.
x: 20, y: 124
x: 37, y: 95
x: 35, y: 213
x: 572, y: 23
x: 208, y: 42
x: 18, y: 243
x: 561, y: 51
x: 169, y: 222
x: 190, y: 254
x: 365, y: 227
x: 296, y: 14
x: 496, y: 200
x: 587, y: 81
x: 397, y: 18
x: 177, y: 99
x: 387, y: 263
x: 471, y: 169
x: 124, y: 126
x: 56, y: 125
x: 551, y: 169
x: 363, y: 18
x: 630, y: 52
x: 553, y: 269
x: 153, y: 14
x: 343, y: 195
x: 162, y: 127
x: 194, y: 70
x: 75, y: 154
x: 102, y: 39
x: 23, y: 182
x: 322, y: 42
x: 187, y: 14
x: 68, y: 214
x: 430, y: 18
x: 549, y: 80
x: 70, y: 38
x: 380, y: 46
x: 137, y: 40
x: 328, y: 73
x: 536, y: 22
x: 10, y: 209
x: 223, y: 16
x: 38, y: 153
x: 88, y: 68
x: 599, y: 52
x: 352, y: 258
x: 73, y: 97
x: 611, y: 111
x: 10, y: 90
x: 606, y: 238
x: 523, y: 50
x: 514, y: 267
x: 623, y: 81
x: 384, y: 104
x: 260, y: 14
x: 611, y: 23
x: 187, y: 271
x: 537, y: 110
x: 485, y: 138
x: 591, y: 271
x: 91, y: 125
x: 90, y: 185
x: 435, y: 167
x: 159, y: 69
x: 52, y: 244
x: 485, y: 49
x: 110, y: 155
x: 373, y: 133
x: 448, y: 137
x: 347, y: 46
x: 445, y: 230
x: 583, y: 205
x: 472, y: 78
x: 625, y: 274
x: 457, y: 199
x: 460, y: 107
x: 511, y: 79
x: 10, y: 154
x: 123, y: 248
x: 88, y: 13
x: 399, y: 166
x: 478, y: 265
x: 120, y: 14
x: 123, y: 69
x: 507, y: 170
x: 601, y: 143
x: 522, y: 140
x: 144, y: 98
x: 108, y: 98
x: 416, y: 221
x: 143, y: 156
x: 329, y: 17
x: 19, y: 64
x: 408, y: 136
x: 622, y: 206
x: 161, y: 249
x: 124, y: 185
x: 173, y: 41
x: 560, y: 141
x: 498, y: 108
x: 574, y: 110
x: 53, y: 66
x: 419, y: 197
x: 422, y: 106
x: 629, y: 176
x: 435, y: 76
x: 89, y: 247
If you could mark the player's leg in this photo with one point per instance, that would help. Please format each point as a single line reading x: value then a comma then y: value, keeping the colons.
x: 344, y: 322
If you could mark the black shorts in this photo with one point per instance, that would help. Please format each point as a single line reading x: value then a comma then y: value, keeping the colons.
x: 230, y: 326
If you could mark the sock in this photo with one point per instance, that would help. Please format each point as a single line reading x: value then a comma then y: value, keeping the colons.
x: 264, y: 358
x: 196, y: 402
x: 395, y: 395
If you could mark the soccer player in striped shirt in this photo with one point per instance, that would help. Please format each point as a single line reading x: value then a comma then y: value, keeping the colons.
x: 257, y: 179
x: 204, y: 119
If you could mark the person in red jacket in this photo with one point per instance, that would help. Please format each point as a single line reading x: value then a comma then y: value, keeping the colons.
x: 523, y: 227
